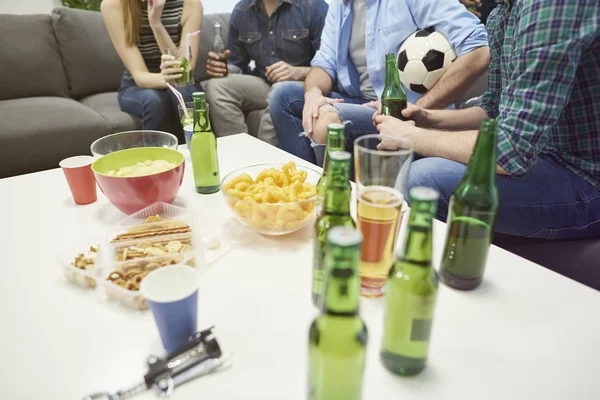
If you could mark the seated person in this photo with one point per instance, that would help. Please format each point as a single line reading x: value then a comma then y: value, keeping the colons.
x: 544, y: 92
x: 141, y: 32
x: 352, y: 27
x: 281, y: 36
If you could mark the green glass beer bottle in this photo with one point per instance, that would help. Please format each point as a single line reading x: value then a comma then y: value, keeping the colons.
x: 471, y: 214
x: 203, y: 148
x: 336, y: 213
x: 411, y: 291
x: 335, y: 142
x: 393, y: 98
x: 337, y: 338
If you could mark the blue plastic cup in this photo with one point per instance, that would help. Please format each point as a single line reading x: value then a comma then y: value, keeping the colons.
x: 188, y: 129
x: 172, y: 295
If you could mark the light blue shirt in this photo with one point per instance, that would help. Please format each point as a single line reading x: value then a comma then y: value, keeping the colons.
x: 388, y: 24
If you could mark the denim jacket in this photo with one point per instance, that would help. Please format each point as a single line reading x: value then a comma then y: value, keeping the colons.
x: 292, y: 34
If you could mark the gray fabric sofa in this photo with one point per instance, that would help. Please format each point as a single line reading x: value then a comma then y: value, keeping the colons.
x: 58, y: 87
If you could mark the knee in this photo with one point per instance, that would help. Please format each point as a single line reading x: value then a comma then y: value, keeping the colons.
x: 216, y: 88
x: 283, y: 92
x: 327, y: 115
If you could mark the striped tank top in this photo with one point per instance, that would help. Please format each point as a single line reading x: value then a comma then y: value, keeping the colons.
x: 171, y: 20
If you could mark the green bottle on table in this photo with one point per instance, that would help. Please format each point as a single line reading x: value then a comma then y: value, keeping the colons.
x: 337, y: 338
x: 411, y: 291
x: 393, y: 97
x: 335, y: 142
x: 203, y: 148
x: 471, y: 215
x: 336, y: 213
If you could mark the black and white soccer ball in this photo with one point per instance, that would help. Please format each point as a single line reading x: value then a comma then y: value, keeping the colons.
x: 423, y: 58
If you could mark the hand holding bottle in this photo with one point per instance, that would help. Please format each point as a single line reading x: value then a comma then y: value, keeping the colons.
x: 216, y: 65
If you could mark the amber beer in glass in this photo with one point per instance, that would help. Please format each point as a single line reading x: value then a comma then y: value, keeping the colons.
x: 381, y: 177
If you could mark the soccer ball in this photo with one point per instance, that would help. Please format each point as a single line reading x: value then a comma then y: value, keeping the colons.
x: 423, y: 58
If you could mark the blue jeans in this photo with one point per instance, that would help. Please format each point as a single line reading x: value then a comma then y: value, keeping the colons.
x: 548, y: 202
x: 157, y: 108
x: 286, y: 102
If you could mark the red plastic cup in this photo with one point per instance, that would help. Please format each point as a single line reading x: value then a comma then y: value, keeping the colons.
x: 78, y: 171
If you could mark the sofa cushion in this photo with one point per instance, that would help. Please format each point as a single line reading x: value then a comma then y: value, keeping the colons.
x: 576, y: 259
x: 206, y: 41
x: 38, y: 132
x: 107, y: 105
x: 91, y: 62
x: 30, y: 59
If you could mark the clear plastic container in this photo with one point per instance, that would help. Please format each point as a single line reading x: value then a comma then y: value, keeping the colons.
x: 84, y: 278
x: 171, y: 217
x: 121, y: 280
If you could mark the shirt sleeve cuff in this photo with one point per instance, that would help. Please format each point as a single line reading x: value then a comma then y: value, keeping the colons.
x: 508, y: 158
x: 491, y: 111
x: 325, y: 66
x: 477, y: 39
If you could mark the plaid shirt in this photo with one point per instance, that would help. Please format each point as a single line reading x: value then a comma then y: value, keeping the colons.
x: 544, y: 84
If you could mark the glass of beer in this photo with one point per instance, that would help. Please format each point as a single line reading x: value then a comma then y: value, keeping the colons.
x: 381, y: 177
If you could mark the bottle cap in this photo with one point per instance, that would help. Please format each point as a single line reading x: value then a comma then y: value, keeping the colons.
x: 217, y: 25
x: 423, y: 193
x: 335, y: 127
x: 339, y: 155
x: 344, y: 237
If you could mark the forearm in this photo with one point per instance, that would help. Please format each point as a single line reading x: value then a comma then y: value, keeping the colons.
x: 164, y: 41
x: 455, y: 146
x: 455, y: 120
x: 303, y: 72
x: 149, y: 80
x: 457, y: 79
x: 317, y: 78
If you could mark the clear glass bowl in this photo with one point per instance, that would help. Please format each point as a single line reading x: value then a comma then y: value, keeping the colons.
x: 132, y: 139
x: 272, y: 218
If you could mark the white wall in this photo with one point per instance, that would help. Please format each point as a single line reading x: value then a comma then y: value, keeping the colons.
x: 28, y: 6
x: 45, y: 6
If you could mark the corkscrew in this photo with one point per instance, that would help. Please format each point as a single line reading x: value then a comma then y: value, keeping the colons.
x: 200, y: 356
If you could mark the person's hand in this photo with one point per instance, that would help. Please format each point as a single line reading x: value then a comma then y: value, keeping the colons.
x: 471, y: 5
x: 392, y: 130
x: 170, y: 68
x: 155, y: 9
x: 215, y: 66
x: 313, y: 101
x: 282, y: 71
x: 418, y: 114
x: 376, y: 104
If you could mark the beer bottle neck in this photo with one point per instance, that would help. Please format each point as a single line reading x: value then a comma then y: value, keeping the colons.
x: 335, y: 142
x: 342, y: 290
x: 337, y: 197
x: 482, y: 165
x: 392, y: 77
x: 201, y: 120
x: 419, y: 238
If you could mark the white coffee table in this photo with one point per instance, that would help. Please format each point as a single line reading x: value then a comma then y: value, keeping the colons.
x: 526, y: 333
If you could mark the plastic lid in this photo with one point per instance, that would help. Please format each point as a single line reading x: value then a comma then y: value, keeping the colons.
x: 423, y: 193
x: 345, y: 237
x: 339, y: 155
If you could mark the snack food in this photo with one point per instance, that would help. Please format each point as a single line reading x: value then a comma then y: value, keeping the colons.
x: 276, y: 200
x: 142, y: 249
x: 84, y: 262
x: 148, y: 167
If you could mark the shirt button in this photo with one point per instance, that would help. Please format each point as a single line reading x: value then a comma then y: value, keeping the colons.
x: 270, y: 32
x: 272, y: 53
x: 249, y: 39
x: 294, y: 37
